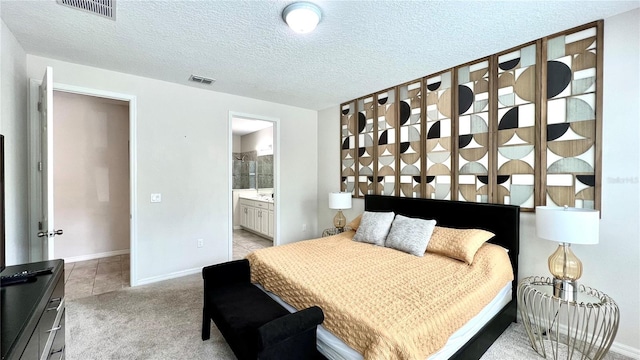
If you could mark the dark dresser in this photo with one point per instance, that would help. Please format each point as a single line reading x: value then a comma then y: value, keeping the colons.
x: 33, y: 314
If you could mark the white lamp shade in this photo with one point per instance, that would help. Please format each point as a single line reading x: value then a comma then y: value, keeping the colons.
x: 569, y: 225
x: 302, y: 17
x: 339, y: 200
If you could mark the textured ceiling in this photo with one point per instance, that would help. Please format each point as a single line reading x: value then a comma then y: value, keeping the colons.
x: 359, y: 46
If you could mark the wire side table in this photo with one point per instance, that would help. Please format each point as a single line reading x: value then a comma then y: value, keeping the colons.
x: 584, y: 329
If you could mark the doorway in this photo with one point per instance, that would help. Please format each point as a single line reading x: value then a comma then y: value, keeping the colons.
x: 91, y: 191
x: 254, y: 183
x: 101, y: 189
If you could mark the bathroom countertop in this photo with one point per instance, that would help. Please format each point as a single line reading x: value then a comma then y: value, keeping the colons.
x: 266, y: 198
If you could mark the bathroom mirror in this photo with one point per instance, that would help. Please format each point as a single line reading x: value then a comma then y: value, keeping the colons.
x: 265, y: 172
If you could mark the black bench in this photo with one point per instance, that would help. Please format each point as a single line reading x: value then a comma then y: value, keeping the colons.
x: 254, y: 325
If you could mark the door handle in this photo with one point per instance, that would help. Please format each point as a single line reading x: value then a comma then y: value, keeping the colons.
x: 51, y: 234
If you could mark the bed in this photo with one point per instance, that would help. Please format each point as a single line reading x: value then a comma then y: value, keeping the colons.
x: 403, y: 336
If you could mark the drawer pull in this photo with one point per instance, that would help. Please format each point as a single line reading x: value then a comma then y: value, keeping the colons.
x: 55, y: 299
x: 57, y: 308
x: 61, y: 352
x: 54, y: 329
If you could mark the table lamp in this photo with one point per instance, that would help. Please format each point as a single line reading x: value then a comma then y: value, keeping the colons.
x: 339, y: 201
x: 567, y: 226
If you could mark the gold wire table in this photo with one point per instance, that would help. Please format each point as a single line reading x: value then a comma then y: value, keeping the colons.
x: 584, y: 328
x: 330, y: 232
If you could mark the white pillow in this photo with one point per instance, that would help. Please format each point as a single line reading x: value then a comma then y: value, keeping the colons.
x: 374, y: 227
x: 410, y: 235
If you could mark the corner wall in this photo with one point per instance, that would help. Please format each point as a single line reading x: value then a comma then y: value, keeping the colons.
x: 612, y: 266
x: 13, y: 125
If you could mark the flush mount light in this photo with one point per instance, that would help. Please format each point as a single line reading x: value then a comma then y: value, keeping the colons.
x: 302, y: 17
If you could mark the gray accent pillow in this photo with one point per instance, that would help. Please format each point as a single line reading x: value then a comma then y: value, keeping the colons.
x: 374, y: 227
x: 410, y: 235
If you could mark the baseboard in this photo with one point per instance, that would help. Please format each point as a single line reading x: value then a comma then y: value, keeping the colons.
x: 237, y: 227
x: 177, y: 274
x: 625, y: 350
x: 95, y: 256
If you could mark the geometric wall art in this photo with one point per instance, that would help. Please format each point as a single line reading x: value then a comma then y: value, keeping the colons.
x: 438, y: 139
x: 571, y: 119
x: 365, y: 146
x: 386, y: 143
x: 516, y: 127
x: 520, y: 127
x: 348, y: 147
x: 410, y: 127
x: 473, y: 132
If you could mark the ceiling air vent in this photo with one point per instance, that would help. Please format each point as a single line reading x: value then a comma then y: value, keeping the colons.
x: 104, y: 8
x: 201, y: 80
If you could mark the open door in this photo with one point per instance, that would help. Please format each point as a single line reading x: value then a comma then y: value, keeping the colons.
x: 46, y: 229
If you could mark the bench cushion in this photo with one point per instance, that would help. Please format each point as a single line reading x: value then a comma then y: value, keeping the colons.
x: 239, y: 310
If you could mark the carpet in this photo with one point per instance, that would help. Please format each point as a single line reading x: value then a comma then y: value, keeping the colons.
x: 163, y: 321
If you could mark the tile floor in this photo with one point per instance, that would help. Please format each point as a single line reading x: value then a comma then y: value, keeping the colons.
x: 244, y: 242
x: 93, y: 277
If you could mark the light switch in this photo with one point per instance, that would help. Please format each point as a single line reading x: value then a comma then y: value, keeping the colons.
x: 156, y: 198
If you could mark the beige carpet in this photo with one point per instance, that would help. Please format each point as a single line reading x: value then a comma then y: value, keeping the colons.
x: 163, y: 320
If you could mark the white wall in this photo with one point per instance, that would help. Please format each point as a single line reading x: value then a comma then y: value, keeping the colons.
x: 253, y: 141
x: 611, y: 266
x: 237, y: 143
x: 91, y: 175
x: 614, y: 264
x: 184, y: 154
x: 13, y: 125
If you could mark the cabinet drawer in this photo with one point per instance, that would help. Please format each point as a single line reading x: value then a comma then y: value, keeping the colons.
x: 271, y: 207
x: 47, y: 325
x: 247, y: 202
x: 262, y: 205
x: 56, y: 351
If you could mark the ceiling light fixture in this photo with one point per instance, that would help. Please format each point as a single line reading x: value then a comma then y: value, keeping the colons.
x: 302, y: 17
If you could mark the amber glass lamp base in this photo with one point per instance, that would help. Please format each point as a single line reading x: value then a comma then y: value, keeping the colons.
x: 339, y: 221
x: 566, y: 269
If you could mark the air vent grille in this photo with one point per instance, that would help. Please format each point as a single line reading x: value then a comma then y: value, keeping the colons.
x: 104, y: 8
x: 201, y: 79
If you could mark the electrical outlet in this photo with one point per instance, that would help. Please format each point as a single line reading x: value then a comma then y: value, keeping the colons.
x: 304, y: 227
x: 200, y: 243
x: 156, y: 198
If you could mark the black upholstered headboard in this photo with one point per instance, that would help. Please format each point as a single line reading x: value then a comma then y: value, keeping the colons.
x: 502, y: 220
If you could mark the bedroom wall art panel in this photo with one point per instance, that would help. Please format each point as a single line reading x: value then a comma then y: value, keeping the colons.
x: 516, y: 127
x: 521, y: 127
x: 571, y: 119
x: 366, y: 108
x: 473, y: 132
x: 410, y: 127
x: 348, y: 147
x: 385, y: 181
x: 439, y: 105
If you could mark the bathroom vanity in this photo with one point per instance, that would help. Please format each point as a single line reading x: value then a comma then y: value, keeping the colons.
x: 256, y: 215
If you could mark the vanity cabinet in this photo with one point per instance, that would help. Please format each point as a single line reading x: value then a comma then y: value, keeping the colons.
x: 257, y: 216
x: 247, y: 216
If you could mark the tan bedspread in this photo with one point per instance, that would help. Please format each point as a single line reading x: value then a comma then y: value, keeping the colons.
x: 384, y: 303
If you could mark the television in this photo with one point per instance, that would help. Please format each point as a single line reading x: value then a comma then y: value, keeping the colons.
x: 2, y: 235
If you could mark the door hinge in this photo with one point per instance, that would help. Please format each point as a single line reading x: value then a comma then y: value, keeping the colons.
x: 39, y: 225
x: 40, y: 106
x: 39, y: 165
